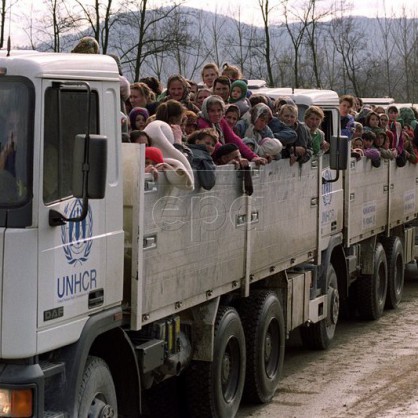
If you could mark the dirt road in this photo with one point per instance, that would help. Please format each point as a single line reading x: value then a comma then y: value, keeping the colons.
x: 371, y: 370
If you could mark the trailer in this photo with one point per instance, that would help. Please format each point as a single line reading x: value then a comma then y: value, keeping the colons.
x: 113, y: 282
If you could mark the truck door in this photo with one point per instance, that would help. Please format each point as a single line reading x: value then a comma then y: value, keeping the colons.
x: 73, y: 256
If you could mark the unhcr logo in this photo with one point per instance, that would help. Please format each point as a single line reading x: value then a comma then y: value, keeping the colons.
x: 76, y: 236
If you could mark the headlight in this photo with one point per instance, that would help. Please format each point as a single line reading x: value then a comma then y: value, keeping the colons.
x: 16, y: 403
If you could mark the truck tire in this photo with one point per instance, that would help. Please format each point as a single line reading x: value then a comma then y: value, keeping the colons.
x: 263, y: 322
x: 371, y: 289
x: 214, y: 389
x: 97, y: 394
x: 396, y: 271
x: 318, y: 336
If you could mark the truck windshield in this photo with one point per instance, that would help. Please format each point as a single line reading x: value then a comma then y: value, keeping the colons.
x: 16, y: 141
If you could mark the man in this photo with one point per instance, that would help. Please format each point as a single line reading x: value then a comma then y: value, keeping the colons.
x: 222, y: 87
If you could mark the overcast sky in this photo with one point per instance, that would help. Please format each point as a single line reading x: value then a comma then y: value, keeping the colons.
x: 249, y: 9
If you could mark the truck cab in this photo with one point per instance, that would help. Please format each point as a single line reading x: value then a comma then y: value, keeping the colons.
x: 55, y: 277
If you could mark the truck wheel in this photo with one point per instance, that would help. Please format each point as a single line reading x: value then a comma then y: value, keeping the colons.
x: 396, y: 270
x: 97, y: 395
x: 262, y: 318
x: 371, y: 289
x: 318, y: 336
x: 214, y: 389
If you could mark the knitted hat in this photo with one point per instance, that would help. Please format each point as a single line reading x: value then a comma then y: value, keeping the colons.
x: 154, y: 154
x: 243, y: 86
x: 86, y: 45
x: 135, y: 112
x: 223, y: 150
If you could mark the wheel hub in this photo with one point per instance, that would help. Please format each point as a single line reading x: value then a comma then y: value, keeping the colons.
x: 267, y: 347
x: 226, y: 368
x: 334, y: 301
x: 100, y: 409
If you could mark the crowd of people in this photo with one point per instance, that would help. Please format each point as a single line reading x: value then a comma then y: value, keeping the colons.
x: 191, y: 127
x: 378, y: 133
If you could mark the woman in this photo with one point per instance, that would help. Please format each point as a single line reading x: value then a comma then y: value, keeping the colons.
x: 212, y: 116
x: 178, y: 89
x: 256, y: 132
x: 142, y: 96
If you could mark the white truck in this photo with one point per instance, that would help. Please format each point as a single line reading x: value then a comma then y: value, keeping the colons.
x: 112, y: 282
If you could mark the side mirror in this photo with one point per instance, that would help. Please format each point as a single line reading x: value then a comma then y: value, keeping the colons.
x: 339, y: 153
x: 96, y: 148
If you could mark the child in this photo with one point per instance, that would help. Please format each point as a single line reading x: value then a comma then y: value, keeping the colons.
x: 202, y: 144
x: 191, y: 122
x: 138, y: 118
x: 140, y: 137
x: 232, y: 115
x: 357, y: 130
x: 201, y: 95
x: 210, y: 71
x: 231, y: 71
x: 207, y: 137
x: 313, y: 117
x: 410, y: 151
x: 395, y: 127
x: 369, y: 150
x: 153, y: 160
x: 153, y: 156
x: 372, y: 122
x: 357, y: 148
x: 238, y: 96
x: 300, y: 149
x: 347, y: 119
x: 380, y: 141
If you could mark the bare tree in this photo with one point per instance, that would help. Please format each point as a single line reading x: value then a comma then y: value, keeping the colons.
x: 265, y: 13
x: 315, y: 16
x: 153, y: 30
x: 58, y: 21
x: 199, y: 48
x: 296, y: 21
x: 387, y: 55
x: 349, y: 42
x: 98, y: 17
x: 403, y: 30
x: 216, y: 34
x: 242, y: 44
x: 2, y: 21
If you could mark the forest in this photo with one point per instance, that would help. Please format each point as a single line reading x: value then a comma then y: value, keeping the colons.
x: 300, y: 43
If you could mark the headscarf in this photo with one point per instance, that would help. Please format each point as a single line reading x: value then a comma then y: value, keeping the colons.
x: 263, y: 145
x: 408, y: 116
x: 185, y: 98
x: 162, y: 137
x: 258, y: 110
x: 204, y: 113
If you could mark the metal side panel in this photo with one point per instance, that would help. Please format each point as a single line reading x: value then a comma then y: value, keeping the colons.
x: 409, y: 245
x: 194, y: 243
x: 366, y: 199
x: 403, y: 193
x: 133, y: 157
x: 286, y: 203
x: 297, y: 312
